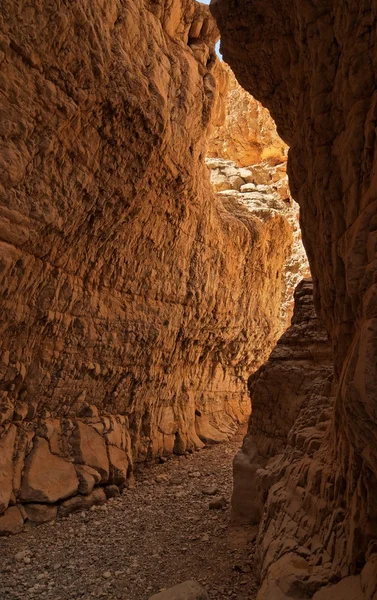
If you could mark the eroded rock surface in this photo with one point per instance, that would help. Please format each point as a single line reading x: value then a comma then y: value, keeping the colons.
x: 131, y: 311
x: 278, y: 390
x: 262, y: 189
x: 313, y: 66
x: 242, y: 128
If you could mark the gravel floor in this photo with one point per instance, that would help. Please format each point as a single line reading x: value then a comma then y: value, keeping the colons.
x: 158, y: 534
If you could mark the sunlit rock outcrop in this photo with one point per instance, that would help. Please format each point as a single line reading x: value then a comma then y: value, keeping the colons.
x: 243, y: 130
x: 131, y: 308
x: 313, y: 66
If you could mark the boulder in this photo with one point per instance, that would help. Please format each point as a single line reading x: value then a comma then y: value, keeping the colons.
x: 6, y: 466
x: 40, y: 513
x: 88, y: 478
x: 89, y: 448
x: 189, y: 590
x: 11, y: 521
x: 47, y: 477
x: 348, y: 588
x: 118, y: 465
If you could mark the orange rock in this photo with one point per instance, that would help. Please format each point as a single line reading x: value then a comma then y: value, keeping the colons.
x: 47, y: 477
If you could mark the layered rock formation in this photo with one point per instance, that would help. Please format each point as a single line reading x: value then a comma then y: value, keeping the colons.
x: 131, y: 305
x: 263, y: 189
x: 243, y: 130
x: 247, y: 156
x: 313, y: 66
x: 278, y: 391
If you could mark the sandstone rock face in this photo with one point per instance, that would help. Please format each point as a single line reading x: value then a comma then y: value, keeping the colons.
x: 313, y: 66
x: 243, y: 129
x: 278, y: 392
x: 131, y: 311
x: 262, y: 190
x: 47, y: 478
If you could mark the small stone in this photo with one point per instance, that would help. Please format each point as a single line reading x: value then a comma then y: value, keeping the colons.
x: 106, y: 574
x: 218, y: 503
x: 161, y: 478
x: 22, y: 554
x: 176, y: 480
x: 189, y: 590
x: 210, y: 490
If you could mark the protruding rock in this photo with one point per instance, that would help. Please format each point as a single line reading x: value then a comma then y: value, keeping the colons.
x: 11, y: 521
x: 90, y: 449
x: 348, y: 588
x: 278, y: 390
x: 6, y: 466
x: 47, y: 477
x: 88, y: 478
x: 96, y: 497
x: 118, y: 465
x: 40, y: 513
x: 189, y: 590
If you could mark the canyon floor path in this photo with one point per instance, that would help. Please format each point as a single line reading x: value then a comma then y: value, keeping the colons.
x: 151, y: 537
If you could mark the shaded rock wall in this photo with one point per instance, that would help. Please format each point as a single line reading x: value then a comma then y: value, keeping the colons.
x: 130, y: 308
x: 278, y: 390
x: 313, y: 66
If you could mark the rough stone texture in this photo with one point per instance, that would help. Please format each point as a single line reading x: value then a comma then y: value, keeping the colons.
x: 130, y: 305
x: 242, y: 129
x: 7, y: 441
x: 263, y: 189
x: 89, y: 448
x: 189, y: 590
x: 40, y: 513
x: 11, y: 521
x: 278, y: 391
x: 313, y: 66
x: 47, y: 478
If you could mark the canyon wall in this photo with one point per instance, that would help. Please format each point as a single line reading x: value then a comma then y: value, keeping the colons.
x: 133, y: 301
x: 242, y: 128
x: 248, y: 161
x: 313, y: 66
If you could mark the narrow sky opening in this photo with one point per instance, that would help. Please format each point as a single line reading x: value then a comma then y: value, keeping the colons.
x: 217, y: 47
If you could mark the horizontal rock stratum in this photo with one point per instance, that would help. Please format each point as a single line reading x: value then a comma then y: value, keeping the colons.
x: 312, y: 64
x: 134, y: 303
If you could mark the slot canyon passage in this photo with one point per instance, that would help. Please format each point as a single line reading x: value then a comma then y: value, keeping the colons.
x: 149, y: 249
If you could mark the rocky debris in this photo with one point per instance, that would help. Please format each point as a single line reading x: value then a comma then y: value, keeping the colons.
x: 262, y: 189
x: 150, y: 538
x: 43, y: 468
x: 188, y: 590
x: 295, y: 58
